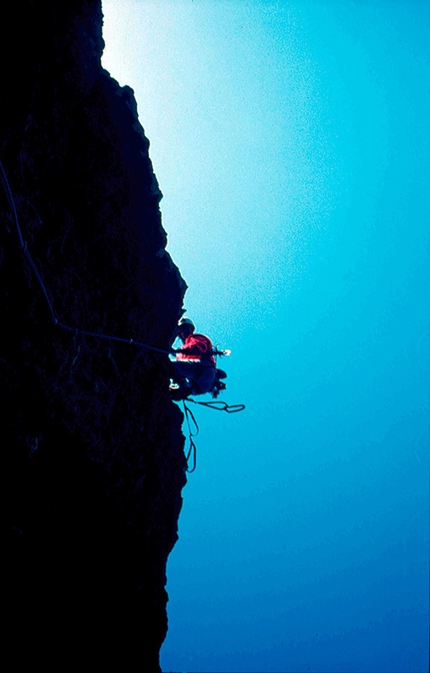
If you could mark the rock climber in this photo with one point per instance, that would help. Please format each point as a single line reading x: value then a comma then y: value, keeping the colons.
x: 194, y: 369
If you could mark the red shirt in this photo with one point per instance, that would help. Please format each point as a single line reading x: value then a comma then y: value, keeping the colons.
x: 199, y: 348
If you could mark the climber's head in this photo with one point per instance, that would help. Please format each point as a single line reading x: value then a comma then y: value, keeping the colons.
x: 185, y: 328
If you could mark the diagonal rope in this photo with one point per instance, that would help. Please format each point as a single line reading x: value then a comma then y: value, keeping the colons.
x: 24, y: 247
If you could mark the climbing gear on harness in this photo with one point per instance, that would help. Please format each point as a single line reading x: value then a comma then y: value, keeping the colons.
x: 219, y: 384
x: 179, y: 392
x: 186, y: 383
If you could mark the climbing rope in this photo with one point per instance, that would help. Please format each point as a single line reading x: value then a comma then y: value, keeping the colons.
x: 218, y: 406
x: 193, y: 428
x: 192, y: 451
x: 56, y: 321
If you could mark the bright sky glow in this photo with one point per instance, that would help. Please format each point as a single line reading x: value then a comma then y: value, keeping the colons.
x: 291, y: 143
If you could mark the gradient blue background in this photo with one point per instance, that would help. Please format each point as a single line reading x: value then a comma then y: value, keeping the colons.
x: 291, y: 142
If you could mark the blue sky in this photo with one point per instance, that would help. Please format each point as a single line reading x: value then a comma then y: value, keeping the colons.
x: 291, y: 143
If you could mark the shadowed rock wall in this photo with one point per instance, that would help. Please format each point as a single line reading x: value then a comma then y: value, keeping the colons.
x: 92, y: 448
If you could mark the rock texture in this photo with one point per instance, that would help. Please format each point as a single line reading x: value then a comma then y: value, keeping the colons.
x: 92, y: 447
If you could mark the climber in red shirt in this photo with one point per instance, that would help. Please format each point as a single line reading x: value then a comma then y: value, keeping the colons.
x: 194, y: 369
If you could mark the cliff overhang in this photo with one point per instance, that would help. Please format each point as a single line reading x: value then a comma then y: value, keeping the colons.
x: 92, y: 444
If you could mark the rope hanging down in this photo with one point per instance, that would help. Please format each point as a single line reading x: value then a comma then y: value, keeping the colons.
x: 190, y: 418
x: 192, y: 451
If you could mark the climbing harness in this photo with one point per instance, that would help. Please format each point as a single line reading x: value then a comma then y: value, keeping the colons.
x: 193, y: 428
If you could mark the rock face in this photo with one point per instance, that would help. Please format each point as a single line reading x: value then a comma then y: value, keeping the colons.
x: 92, y: 447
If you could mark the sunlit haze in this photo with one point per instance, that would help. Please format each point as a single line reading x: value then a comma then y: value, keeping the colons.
x: 290, y: 140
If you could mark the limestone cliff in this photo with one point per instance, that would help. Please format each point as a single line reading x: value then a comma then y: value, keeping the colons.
x: 92, y: 446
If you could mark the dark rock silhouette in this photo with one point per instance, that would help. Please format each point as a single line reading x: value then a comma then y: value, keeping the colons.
x: 92, y: 447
